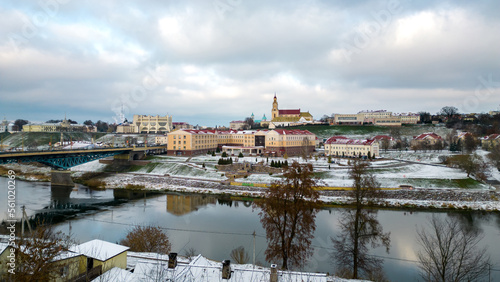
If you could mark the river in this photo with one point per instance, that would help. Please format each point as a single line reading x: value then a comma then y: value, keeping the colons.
x: 214, y: 226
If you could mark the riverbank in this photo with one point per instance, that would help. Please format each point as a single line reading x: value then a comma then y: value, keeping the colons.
x: 419, y: 198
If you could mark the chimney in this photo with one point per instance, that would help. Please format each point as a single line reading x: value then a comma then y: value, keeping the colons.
x: 274, y: 273
x: 172, y: 260
x: 226, y: 269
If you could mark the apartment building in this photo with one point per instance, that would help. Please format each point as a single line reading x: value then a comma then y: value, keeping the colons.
x: 187, y: 142
x: 345, y: 147
x: 290, y: 142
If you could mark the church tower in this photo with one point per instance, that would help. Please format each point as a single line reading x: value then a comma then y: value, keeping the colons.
x: 275, y: 111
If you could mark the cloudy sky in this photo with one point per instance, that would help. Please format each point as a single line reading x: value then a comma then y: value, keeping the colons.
x: 211, y: 61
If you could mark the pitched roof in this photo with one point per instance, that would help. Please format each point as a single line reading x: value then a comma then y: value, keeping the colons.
x: 99, y: 249
x: 347, y: 141
x: 381, y: 137
x: 428, y: 135
x: 293, y: 132
x: 492, y: 137
x: 289, y: 112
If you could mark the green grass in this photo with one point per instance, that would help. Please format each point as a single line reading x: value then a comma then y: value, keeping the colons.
x: 466, y: 183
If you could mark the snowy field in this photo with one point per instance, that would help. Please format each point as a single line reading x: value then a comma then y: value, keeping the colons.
x: 421, y: 169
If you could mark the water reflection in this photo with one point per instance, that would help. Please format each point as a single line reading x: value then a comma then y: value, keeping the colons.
x: 215, y: 226
x: 178, y: 204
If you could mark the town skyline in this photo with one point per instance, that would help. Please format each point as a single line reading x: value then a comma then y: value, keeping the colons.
x: 212, y: 62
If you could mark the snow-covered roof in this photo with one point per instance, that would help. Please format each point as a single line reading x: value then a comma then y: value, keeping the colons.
x: 492, y: 137
x: 116, y: 274
x: 99, y: 249
x: 428, y: 135
x: 3, y: 246
x: 203, y: 269
x: 65, y: 255
x: 346, y: 141
x: 381, y: 137
x: 293, y: 132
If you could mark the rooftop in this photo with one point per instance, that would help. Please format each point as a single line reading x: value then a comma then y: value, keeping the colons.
x: 99, y: 249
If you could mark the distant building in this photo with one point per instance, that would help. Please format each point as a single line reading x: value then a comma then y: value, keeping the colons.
x: 152, y: 124
x: 425, y: 140
x: 64, y: 126
x: 162, y: 140
x: 181, y: 125
x: 237, y: 124
x: 287, y: 117
x: 345, y: 147
x: 4, y: 126
x: 378, y: 117
x: 490, y: 141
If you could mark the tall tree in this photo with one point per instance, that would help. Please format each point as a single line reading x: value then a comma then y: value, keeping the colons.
x: 101, y: 126
x: 88, y: 122
x: 450, y: 252
x: 360, y: 227
x: 147, y: 239
x: 249, y: 123
x: 469, y: 144
x: 448, y: 111
x: 19, y: 124
x: 287, y: 213
x: 425, y: 117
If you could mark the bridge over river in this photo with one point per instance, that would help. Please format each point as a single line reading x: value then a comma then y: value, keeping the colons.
x: 62, y: 160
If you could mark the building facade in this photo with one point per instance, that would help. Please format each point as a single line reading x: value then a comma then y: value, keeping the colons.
x: 425, y: 140
x: 341, y: 146
x: 152, y: 124
x: 187, y: 142
x: 378, y: 117
x: 287, y: 117
x: 280, y: 142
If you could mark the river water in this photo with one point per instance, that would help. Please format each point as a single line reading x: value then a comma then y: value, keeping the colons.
x: 214, y: 226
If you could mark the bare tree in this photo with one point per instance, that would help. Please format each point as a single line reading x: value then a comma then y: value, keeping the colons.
x: 494, y: 156
x: 471, y: 164
x: 36, y: 254
x: 385, y: 144
x: 191, y: 252
x: 469, y: 144
x: 287, y: 213
x: 360, y: 227
x: 448, y: 111
x: 450, y: 252
x: 239, y: 255
x: 147, y: 239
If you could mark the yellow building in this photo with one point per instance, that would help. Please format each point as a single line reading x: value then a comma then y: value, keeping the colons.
x: 387, y: 121
x: 490, y: 141
x: 162, y: 140
x: 344, y: 147
x: 152, y: 124
x: 187, y: 142
x: 184, y: 204
x: 102, y: 255
x: 290, y: 142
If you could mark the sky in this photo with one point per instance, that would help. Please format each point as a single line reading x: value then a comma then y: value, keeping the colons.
x: 209, y: 62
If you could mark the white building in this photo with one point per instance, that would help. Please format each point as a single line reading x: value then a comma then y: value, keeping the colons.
x: 345, y: 147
